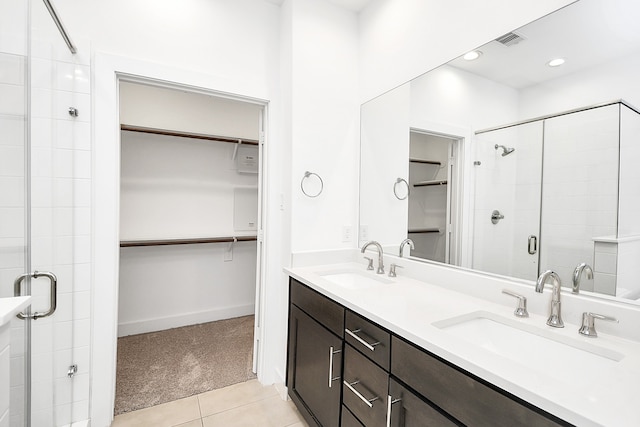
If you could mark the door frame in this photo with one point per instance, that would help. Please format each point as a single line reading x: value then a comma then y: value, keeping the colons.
x: 108, y: 71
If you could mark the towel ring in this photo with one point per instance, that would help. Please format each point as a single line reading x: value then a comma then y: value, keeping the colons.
x: 308, y: 174
x: 395, y: 188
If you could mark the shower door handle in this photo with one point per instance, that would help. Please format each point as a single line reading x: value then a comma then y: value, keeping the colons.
x: 532, y: 247
x: 53, y: 282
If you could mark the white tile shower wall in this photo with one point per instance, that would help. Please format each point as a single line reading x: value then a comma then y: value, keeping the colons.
x: 627, y: 268
x: 579, y: 193
x: 61, y: 176
x: 603, y: 255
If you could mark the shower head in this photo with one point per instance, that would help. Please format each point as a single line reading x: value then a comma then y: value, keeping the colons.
x: 505, y: 150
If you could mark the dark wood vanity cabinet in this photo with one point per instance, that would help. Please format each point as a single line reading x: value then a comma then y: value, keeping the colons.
x: 468, y: 400
x: 344, y: 370
x: 314, y: 357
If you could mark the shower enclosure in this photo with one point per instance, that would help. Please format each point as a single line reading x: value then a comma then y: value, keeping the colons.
x: 45, y: 163
x: 554, y: 192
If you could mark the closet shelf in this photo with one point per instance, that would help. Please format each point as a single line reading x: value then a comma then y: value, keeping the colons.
x: 188, y: 135
x: 165, y: 242
x: 423, y: 230
x: 423, y: 161
x: 430, y: 183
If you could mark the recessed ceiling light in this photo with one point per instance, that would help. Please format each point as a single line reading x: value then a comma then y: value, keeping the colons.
x: 555, y: 62
x: 474, y: 54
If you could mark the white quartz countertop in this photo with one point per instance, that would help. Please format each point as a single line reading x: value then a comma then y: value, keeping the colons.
x: 9, y: 307
x: 409, y: 307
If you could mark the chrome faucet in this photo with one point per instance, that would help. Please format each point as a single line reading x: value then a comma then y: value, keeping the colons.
x: 577, y: 274
x: 380, y: 254
x: 406, y: 242
x: 555, y: 318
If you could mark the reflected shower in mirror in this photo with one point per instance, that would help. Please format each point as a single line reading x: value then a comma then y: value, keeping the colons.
x: 515, y: 166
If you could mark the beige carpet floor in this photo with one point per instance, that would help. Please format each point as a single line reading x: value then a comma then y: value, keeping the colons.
x: 159, y: 367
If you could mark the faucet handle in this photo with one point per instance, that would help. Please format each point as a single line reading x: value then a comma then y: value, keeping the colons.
x: 370, y: 266
x: 588, y: 327
x: 521, y: 310
x: 392, y: 269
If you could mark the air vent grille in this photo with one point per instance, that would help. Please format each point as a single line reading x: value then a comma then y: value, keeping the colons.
x: 510, y: 39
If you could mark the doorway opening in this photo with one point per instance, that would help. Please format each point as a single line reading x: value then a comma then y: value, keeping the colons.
x: 190, y: 210
x: 433, y: 197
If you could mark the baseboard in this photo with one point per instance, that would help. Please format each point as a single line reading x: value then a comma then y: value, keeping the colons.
x: 85, y: 423
x: 176, y: 321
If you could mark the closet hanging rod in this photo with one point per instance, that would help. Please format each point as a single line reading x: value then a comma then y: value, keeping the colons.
x: 166, y: 242
x: 63, y: 32
x: 166, y: 132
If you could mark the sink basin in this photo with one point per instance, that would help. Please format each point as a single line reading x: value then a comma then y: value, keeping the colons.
x: 355, y: 280
x: 537, y: 348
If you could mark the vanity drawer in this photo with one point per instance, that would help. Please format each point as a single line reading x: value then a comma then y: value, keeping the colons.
x: 330, y: 314
x: 348, y: 419
x: 468, y: 400
x: 369, y: 338
x: 408, y: 410
x: 366, y: 394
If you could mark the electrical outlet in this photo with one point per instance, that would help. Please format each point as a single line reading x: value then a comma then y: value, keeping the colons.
x: 364, y: 233
x: 347, y: 233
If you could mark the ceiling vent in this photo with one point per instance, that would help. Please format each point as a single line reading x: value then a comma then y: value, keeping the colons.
x: 510, y: 39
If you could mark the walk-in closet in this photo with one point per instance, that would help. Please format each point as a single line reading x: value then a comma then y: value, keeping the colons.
x: 430, y: 195
x: 189, y: 250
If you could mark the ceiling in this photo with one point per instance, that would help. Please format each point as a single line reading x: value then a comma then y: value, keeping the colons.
x: 585, y: 34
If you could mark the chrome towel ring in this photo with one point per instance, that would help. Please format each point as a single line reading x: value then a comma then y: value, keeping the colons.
x: 308, y: 188
x: 395, y: 188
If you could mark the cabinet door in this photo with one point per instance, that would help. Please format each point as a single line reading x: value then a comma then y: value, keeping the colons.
x: 408, y: 410
x: 314, y: 369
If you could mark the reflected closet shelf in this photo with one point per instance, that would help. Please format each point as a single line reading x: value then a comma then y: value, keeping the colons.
x: 430, y: 183
x: 423, y: 230
x: 424, y: 161
x: 165, y: 242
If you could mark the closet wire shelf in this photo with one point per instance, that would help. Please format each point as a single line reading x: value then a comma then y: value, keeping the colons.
x: 166, y: 242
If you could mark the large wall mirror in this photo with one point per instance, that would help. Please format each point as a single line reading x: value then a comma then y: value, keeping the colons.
x: 521, y: 160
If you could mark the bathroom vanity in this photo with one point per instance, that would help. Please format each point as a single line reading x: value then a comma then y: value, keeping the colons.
x: 368, y: 350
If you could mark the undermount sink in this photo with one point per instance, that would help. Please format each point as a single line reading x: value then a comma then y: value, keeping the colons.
x: 537, y: 348
x: 355, y: 280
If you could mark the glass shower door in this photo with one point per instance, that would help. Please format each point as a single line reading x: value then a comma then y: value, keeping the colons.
x: 38, y: 220
x: 506, y: 227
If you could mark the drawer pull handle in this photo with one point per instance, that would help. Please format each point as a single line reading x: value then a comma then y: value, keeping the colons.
x: 331, y: 377
x: 370, y: 346
x: 368, y: 402
x: 390, y: 401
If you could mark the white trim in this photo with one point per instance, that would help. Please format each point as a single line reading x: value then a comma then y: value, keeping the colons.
x: 107, y: 69
x: 183, y: 319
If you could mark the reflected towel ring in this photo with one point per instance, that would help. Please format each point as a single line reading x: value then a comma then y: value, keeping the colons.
x: 308, y: 174
x: 395, y: 188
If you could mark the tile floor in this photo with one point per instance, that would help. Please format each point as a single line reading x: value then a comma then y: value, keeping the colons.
x: 246, y: 404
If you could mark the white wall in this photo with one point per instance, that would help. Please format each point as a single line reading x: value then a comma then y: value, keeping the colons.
x: 176, y: 188
x: 171, y: 109
x: 164, y: 287
x: 324, y: 123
